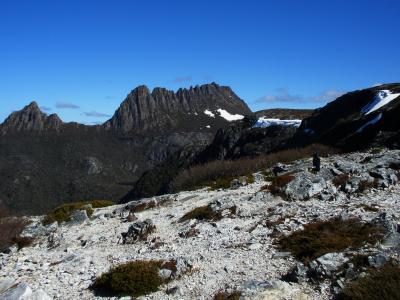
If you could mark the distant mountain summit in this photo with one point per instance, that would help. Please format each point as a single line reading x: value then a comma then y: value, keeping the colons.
x: 200, y: 107
x: 29, y: 119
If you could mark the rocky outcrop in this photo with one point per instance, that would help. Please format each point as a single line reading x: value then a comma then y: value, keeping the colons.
x: 143, y: 110
x: 351, y: 122
x: 30, y: 119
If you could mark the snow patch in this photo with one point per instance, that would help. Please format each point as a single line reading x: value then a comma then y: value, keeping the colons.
x: 382, y: 98
x: 229, y: 117
x: 265, y: 122
x: 209, y: 113
x: 371, y: 122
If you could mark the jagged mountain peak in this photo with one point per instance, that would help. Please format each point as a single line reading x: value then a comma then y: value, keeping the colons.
x: 161, y: 108
x: 30, y: 118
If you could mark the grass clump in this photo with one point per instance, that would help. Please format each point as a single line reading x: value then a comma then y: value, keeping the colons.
x: 378, y: 284
x: 63, y: 212
x: 334, y: 235
x: 201, y: 213
x: 133, y: 279
x: 228, y: 296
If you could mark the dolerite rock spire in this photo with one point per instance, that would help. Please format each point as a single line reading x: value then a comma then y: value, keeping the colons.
x: 143, y: 110
x: 30, y: 119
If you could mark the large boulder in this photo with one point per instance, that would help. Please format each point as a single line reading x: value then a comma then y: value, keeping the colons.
x: 304, y: 186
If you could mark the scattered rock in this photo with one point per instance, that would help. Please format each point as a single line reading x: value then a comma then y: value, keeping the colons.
x: 137, y: 231
x: 79, y: 217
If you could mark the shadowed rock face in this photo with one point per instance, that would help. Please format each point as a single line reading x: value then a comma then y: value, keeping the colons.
x: 29, y: 119
x: 45, y: 162
x: 343, y: 123
x: 143, y: 110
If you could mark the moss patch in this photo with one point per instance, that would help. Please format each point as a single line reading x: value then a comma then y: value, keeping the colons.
x: 334, y: 235
x: 381, y: 284
x: 63, y: 212
x: 134, y: 279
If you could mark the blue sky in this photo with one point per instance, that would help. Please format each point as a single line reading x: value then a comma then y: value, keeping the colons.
x: 81, y: 58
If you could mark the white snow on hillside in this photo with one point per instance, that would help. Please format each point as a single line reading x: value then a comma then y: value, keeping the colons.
x: 209, y: 113
x: 382, y: 98
x: 265, y: 122
x: 371, y: 122
x: 229, y: 117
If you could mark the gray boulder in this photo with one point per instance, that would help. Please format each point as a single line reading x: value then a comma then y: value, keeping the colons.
x: 93, y: 166
x: 17, y: 292
x: 137, y: 231
x: 79, y: 217
x: 327, y: 264
x: 304, y: 186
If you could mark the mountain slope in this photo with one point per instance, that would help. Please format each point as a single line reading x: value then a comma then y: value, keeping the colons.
x: 45, y: 162
x: 355, y: 120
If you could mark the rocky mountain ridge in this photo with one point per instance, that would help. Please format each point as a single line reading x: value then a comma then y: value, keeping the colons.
x: 30, y: 119
x: 45, y: 162
x: 143, y: 110
x: 346, y: 124
x: 236, y: 248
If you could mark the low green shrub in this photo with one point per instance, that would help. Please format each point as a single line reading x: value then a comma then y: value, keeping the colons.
x: 63, y: 212
x: 133, y: 279
x: 334, y: 235
x: 377, y: 284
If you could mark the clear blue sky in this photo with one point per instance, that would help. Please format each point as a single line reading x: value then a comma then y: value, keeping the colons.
x: 81, y: 58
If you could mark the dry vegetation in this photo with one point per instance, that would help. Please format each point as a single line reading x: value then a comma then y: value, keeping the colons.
x: 136, y: 208
x: 378, y: 284
x: 277, y: 184
x: 223, y: 171
x: 334, y: 235
x: 366, y: 185
x: 340, y: 181
x: 10, y: 230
